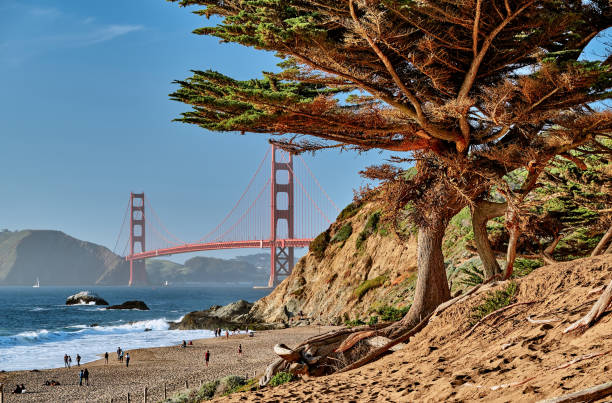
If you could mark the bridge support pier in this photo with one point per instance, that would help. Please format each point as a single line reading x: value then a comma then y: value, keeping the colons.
x: 138, y: 272
x: 281, y: 257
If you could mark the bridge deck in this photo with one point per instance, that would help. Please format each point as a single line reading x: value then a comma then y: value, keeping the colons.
x: 197, y: 247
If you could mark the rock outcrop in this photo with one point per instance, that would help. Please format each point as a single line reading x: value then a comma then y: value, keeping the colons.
x: 231, y: 316
x: 85, y: 298
x: 131, y: 305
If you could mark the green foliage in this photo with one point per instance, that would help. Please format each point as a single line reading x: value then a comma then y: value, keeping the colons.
x: 368, y: 230
x: 472, y: 275
x: 343, y: 233
x: 319, y: 244
x: 390, y: 313
x: 349, y: 211
x: 353, y: 323
x: 281, y: 378
x: 373, y: 320
x: 230, y: 384
x: 367, y: 285
x: 247, y: 386
x: 523, y: 267
x: 207, y: 391
x: 494, y: 301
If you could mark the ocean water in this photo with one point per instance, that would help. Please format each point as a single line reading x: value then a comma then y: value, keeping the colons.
x: 37, y: 328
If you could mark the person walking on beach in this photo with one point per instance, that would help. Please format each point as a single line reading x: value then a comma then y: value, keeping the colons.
x: 86, y: 376
x: 106, y: 357
x: 239, y: 349
x: 69, y: 361
x: 127, y: 360
x: 65, y: 360
x: 207, y: 357
x: 121, y: 356
x: 226, y: 333
x: 81, y: 378
x: 78, y: 357
x: 118, y: 353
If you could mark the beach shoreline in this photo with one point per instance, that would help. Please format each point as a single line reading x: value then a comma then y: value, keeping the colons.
x: 153, y: 367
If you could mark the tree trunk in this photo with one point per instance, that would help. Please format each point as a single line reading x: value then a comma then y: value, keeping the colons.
x: 513, y: 228
x: 602, y: 242
x: 432, y: 285
x: 484, y: 211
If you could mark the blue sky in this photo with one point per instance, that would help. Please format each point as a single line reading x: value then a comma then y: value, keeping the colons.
x: 85, y: 119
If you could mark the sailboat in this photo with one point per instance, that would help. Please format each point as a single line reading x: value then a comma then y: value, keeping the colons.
x: 37, y: 285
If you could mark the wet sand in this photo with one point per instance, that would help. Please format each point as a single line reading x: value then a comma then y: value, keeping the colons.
x: 154, y: 367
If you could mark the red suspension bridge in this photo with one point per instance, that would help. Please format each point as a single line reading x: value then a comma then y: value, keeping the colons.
x: 282, y: 211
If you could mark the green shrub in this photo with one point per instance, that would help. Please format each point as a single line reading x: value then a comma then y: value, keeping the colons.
x: 369, y: 229
x: 353, y: 323
x: 349, y: 211
x: 207, y: 391
x: 493, y: 302
x: 250, y: 384
x: 373, y: 320
x: 473, y: 275
x: 523, y: 267
x: 343, y: 233
x: 230, y: 383
x: 368, y: 285
x: 281, y: 378
x: 319, y: 244
x: 391, y: 314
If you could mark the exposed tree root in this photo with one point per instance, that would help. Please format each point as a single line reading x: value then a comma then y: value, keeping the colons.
x: 328, y: 353
x: 481, y: 321
x: 541, y: 321
x: 581, y: 358
x: 595, y: 313
x: 585, y: 395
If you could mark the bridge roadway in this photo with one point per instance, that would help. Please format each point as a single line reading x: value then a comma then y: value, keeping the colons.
x: 197, y: 247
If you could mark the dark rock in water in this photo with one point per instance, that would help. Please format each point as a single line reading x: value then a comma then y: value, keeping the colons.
x: 231, y: 316
x: 94, y: 325
x: 85, y: 298
x: 148, y: 329
x: 131, y: 305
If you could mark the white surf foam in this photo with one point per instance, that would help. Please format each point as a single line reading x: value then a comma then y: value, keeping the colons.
x: 45, y: 349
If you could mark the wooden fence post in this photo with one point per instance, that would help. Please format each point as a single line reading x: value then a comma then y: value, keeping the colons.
x: 1, y: 393
x: 145, y: 394
x: 186, y: 384
x: 128, y: 397
x: 165, y: 394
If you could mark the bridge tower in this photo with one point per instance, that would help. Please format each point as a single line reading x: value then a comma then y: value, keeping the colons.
x: 138, y: 273
x: 281, y: 257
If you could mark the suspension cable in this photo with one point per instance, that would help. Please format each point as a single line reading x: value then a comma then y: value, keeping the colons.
x: 122, y: 225
x: 239, y: 200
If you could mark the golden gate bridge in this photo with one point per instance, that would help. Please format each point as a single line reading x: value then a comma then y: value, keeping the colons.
x: 281, y: 210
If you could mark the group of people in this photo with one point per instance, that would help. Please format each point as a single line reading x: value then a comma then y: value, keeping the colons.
x: 84, y: 376
x: 120, y: 357
x: 185, y: 344
x: 68, y: 360
x: 218, y: 333
x: 20, y: 388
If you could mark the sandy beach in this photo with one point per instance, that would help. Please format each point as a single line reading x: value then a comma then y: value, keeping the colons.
x: 154, y: 367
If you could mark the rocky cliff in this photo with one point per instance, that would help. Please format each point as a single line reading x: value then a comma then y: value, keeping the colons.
x: 355, y: 267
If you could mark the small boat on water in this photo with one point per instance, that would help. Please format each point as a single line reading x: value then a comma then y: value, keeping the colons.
x: 165, y: 284
x: 37, y: 285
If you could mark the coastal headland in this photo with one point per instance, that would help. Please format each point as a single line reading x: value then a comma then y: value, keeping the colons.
x: 154, y: 367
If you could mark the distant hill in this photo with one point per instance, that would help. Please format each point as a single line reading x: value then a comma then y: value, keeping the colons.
x: 56, y: 259
x: 59, y: 259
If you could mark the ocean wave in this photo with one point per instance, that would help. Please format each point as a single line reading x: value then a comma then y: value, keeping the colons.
x: 81, y: 331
